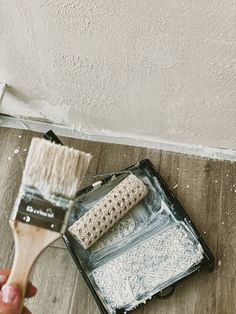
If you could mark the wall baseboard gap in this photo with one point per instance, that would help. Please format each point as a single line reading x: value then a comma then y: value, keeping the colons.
x: 61, y: 130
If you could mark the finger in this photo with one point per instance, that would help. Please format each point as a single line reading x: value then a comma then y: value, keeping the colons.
x: 26, y: 311
x: 10, y: 300
x: 30, y: 291
x: 4, y: 273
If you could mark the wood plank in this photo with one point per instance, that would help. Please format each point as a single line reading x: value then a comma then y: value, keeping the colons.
x: 54, y: 275
x: 169, y: 169
x: 194, y: 296
x: 117, y: 157
x: 82, y: 300
x: 226, y: 250
x: 195, y: 182
x: 225, y: 295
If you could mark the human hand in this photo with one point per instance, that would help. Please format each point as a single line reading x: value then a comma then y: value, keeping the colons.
x: 11, y: 297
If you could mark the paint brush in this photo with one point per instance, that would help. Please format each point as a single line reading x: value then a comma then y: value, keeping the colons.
x: 50, y: 181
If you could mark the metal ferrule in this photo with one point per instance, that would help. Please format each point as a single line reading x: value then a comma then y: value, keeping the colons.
x: 33, y: 209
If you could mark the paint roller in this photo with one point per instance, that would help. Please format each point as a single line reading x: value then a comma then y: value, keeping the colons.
x: 109, y: 210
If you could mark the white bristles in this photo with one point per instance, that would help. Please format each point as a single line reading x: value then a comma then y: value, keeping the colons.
x: 54, y: 169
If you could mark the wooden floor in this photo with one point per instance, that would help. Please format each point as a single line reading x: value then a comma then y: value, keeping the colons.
x: 206, y: 189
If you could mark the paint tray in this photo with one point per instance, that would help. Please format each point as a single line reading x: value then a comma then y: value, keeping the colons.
x: 147, y: 253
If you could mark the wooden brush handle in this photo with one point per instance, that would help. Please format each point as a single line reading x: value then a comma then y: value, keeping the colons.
x: 30, y: 241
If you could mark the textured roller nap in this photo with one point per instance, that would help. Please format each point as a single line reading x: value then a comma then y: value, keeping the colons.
x: 98, y: 220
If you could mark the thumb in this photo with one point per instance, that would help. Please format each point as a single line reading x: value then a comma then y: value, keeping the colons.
x: 10, y: 300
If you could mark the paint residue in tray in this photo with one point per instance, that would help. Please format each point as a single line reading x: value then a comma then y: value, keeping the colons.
x: 148, y: 267
x: 148, y: 250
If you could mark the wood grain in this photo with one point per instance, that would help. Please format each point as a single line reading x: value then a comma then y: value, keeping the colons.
x: 82, y: 300
x: 226, y: 250
x: 54, y: 275
x: 225, y: 295
x: 194, y: 296
x: 206, y: 188
x: 115, y: 157
x: 199, y: 194
x: 30, y: 241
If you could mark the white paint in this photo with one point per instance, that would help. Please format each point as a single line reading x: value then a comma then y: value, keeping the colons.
x: 136, y: 274
x: 197, y: 150
x: 64, y: 178
x: 16, y: 151
x: 161, y: 70
x: 39, y: 110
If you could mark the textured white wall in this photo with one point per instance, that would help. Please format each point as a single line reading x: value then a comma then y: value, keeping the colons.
x: 157, y: 68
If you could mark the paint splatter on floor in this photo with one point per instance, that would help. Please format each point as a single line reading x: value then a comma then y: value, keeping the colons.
x: 16, y: 151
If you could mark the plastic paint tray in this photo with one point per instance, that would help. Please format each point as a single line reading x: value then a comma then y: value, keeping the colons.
x: 150, y: 250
